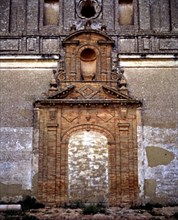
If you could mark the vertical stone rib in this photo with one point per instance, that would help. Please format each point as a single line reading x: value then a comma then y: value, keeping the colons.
x: 4, y: 15
x: 58, y: 159
x: 174, y: 15
x: 112, y: 175
x: 64, y: 172
x: 40, y: 175
x: 42, y: 161
x: 144, y: 16
x: 51, y: 164
x: 45, y: 160
x: 32, y: 15
x: 165, y: 17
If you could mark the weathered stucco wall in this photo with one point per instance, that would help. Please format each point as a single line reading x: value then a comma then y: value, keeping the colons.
x: 154, y: 81
x: 19, y: 87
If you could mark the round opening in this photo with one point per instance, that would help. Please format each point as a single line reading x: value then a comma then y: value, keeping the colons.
x: 88, y: 9
x: 88, y: 55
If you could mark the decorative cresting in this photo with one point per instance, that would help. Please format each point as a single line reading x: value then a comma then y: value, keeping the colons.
x: 86, y: 94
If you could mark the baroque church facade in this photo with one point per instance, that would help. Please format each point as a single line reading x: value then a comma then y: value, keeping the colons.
x: 89, y: 99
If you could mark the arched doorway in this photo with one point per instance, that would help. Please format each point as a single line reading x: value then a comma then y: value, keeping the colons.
x: 88, y: 167
x: 91, y: 97
x: 65, y: 173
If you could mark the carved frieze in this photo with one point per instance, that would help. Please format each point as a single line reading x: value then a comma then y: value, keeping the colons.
x: 41, y: 45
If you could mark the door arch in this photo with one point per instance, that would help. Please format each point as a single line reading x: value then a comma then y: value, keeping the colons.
x: 88, y: 127
x: 104, y: 196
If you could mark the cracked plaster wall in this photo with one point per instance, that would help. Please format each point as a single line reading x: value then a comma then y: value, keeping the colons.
x: 18, y: 156
x: 157, y: 88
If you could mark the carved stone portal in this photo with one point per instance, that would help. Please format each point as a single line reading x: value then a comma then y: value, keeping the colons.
x: 87, y: 99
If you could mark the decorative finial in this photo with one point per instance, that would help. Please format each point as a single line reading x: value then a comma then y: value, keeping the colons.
x: 53, y: 85
x: 120, y: 74
x: 123, y: 84
x: 73, y: 28
x: 88, y: 24
x: 103, y: 27
x: 122, y: 71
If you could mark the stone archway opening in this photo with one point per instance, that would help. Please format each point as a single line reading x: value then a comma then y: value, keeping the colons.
x: 88, y: 167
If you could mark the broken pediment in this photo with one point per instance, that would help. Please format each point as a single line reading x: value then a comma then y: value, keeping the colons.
x: 63, y: 93
x: 116, y: 93
x: 90, y: 92
x: 79, y: 93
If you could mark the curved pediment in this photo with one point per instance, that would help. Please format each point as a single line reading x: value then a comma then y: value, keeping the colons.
x: 92, y: 35
x: 87, y: 56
